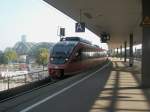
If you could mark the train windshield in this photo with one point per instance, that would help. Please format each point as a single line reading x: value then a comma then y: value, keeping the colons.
x: 61, y: 51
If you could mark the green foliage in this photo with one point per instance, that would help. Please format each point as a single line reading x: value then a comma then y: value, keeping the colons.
x: 9, y: 56
x: 34, y: 50
x: 1, y: 57
x: 5, y: 59
x: 42, y: 56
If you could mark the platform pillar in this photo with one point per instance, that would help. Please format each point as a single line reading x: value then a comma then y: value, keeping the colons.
x: 125, y: 51
x: 145, y: 80
x: 131, y: 50
x: 120, y: 52
x: 117, y: 53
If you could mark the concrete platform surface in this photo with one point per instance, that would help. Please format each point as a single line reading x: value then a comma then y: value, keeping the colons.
x: 122, y: 92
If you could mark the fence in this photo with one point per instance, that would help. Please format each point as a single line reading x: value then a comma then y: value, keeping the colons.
x: 7, y: 83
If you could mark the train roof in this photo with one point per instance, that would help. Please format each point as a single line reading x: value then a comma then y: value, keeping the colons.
x: 66, y: 43
x: 73, y: 41
x: 76, y: 39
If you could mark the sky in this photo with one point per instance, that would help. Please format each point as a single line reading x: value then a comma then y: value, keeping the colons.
x: 38, y: 21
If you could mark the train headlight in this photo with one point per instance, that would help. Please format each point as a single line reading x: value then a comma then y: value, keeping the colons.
x: 66, y: 59
x: 51, y: 59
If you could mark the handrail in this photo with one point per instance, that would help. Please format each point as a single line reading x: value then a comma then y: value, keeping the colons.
x: 14, y: 81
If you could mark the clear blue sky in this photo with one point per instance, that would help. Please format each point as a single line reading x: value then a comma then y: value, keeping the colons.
x: 37, y: 20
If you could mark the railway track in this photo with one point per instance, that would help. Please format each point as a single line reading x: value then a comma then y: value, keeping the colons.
x: 53, y: 81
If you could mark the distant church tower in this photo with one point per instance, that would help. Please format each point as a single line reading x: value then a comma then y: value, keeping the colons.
x: 23, y: 38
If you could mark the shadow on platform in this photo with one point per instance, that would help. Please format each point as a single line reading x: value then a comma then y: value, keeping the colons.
x: 122, y: 92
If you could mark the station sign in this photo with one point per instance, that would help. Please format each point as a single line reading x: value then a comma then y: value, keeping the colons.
x: 80, y: 27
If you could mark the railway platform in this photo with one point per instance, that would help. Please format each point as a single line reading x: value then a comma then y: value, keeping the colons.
x: 114, y: 87
x: 122, y: 92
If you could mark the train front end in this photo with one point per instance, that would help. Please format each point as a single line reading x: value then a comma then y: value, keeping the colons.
x: 59, y: 58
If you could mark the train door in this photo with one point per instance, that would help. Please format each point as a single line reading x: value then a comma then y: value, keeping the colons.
x: 76, y: 62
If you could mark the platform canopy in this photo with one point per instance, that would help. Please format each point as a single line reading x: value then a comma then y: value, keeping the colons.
x: 119, y: 18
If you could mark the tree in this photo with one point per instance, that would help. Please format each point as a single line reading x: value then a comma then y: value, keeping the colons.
x: 9, y: 56
x: 42, y: 57
x: 1, y: 57
x: 34, y: 49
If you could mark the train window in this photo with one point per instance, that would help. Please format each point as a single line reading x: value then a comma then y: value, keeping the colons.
x: 84, y: 55
x: 62, y: 50
x: 78, y: 55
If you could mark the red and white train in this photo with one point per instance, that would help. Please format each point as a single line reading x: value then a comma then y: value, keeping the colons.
x: 72, y: 55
